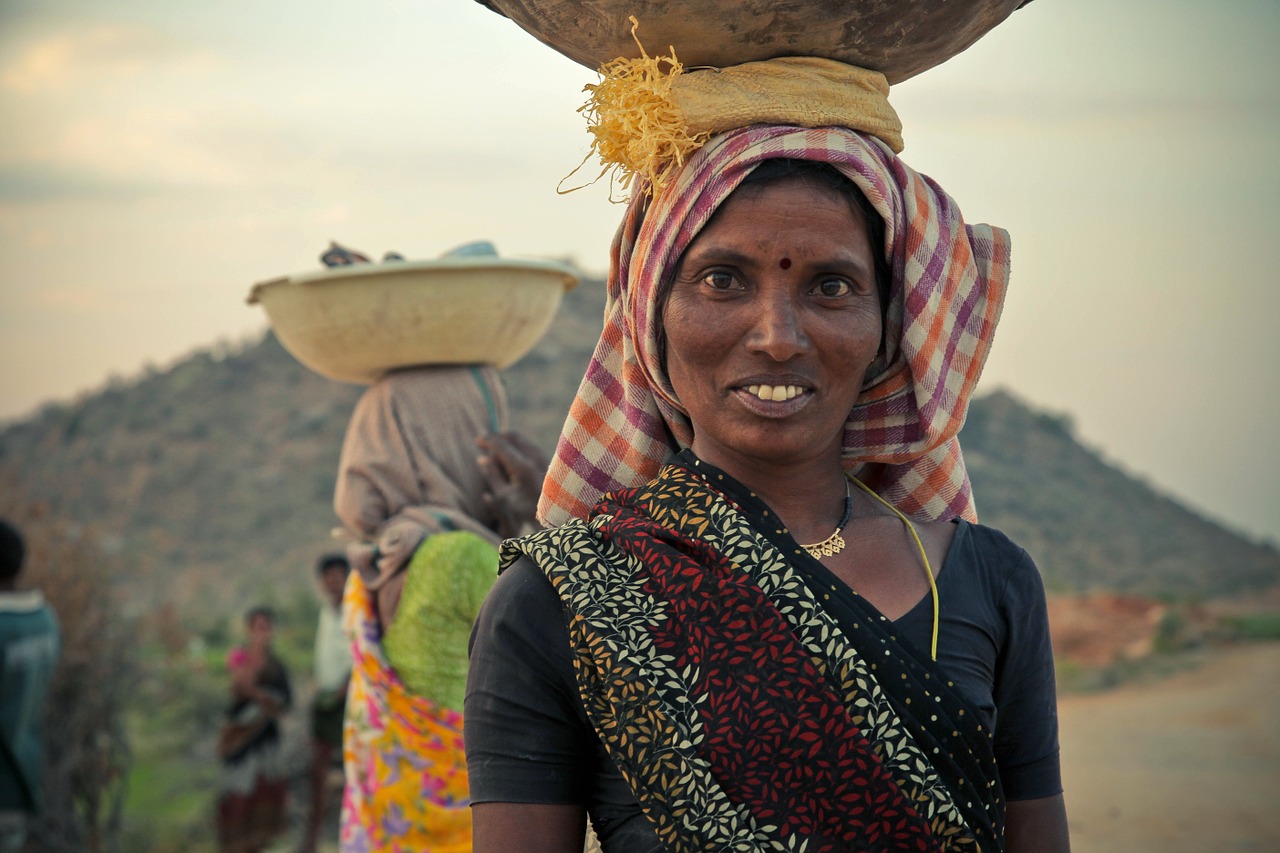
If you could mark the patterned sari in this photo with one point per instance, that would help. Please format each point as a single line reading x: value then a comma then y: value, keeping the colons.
x: 406, y: 775
x: 748, y: 697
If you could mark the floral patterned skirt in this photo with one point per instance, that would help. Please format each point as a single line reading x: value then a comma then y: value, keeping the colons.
x: 406, y: 774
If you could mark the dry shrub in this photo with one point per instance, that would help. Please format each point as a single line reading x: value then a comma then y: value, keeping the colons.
x: 86, y: 750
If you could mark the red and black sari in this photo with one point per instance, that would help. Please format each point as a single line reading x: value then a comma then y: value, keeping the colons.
x: 749, y: 698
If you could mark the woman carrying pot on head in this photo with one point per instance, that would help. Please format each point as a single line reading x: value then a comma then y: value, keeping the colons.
x: 429, y: 482
x: 763, y: 616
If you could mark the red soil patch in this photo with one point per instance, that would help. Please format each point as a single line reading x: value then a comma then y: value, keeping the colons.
x: 1100, y: 629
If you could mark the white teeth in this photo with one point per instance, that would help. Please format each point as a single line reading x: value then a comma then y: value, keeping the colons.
x: 774, y: 392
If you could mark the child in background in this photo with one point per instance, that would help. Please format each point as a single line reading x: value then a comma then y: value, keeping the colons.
x: 251, y: 802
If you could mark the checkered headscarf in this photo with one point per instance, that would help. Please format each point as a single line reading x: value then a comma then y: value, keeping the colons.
x: 948, y: 287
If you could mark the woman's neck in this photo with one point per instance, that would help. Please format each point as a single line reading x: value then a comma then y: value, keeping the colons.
x: 807, y: 495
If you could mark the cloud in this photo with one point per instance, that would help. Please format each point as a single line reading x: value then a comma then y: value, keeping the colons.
x: 71, y: 299
x: 1009, y: 107
x: 103, y: 54
x: 148, y: 153
x: 29, y: 184
x: 99, y: 112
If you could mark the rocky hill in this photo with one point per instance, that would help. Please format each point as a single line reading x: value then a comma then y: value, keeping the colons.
x: 213, y: 478
x: 1089, y: 524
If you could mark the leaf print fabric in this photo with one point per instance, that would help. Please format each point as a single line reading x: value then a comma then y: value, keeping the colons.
x: 744, y: 714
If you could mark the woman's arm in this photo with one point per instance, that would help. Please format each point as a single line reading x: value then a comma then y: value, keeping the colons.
x: 527, y: 827
x: 513, y: 469
x: 1037, y: 826
x: 1026, y: 738
x: 232, y: 737
x: 526, y: 736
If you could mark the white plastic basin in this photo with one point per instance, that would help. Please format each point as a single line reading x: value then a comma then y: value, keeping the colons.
x: 355, y: 323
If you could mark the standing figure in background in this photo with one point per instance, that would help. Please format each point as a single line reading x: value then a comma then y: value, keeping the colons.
x: 29, y: 646
x: 429, y: 482
x: 251, y: 805
x: 333, y: 674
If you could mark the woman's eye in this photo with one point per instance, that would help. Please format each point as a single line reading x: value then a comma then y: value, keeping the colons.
x: 719, y: 280
x: 833, y: 287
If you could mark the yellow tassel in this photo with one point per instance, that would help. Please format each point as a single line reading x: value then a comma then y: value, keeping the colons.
x: 637, y: 128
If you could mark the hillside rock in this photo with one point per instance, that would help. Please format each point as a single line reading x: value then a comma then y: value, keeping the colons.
x: 1090, y: 525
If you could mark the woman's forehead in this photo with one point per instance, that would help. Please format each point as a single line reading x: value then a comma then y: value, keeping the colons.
x: 782, y: 201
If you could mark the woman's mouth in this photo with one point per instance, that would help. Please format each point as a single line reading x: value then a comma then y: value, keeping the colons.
x: 774, y: 393
x: 773, y: 401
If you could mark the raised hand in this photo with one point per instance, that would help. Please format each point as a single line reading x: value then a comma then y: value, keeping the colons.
x: 513, y: 467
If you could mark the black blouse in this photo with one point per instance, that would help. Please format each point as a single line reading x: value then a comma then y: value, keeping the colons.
x: 528, y: 739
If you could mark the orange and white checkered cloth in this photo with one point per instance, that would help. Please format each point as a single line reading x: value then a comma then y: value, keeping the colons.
x: 949, y: 282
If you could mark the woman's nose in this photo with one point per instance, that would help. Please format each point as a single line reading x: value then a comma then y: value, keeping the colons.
x: 777, y: 330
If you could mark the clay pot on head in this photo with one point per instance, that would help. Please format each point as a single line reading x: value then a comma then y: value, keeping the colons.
x: 899, y: 38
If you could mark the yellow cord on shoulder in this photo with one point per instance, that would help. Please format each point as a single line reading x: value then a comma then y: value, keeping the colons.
x: 928, y: 570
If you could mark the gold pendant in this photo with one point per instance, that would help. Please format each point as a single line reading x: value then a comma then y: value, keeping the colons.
x: 828, y: 547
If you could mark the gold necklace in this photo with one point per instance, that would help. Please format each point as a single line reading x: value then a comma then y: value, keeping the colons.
x: 834, y: 543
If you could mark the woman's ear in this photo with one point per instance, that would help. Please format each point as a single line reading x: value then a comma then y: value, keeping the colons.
x: 660, y: 338
x: 879, y: 364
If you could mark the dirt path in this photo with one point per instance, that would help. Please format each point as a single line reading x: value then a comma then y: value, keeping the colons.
x: 1184, y: 765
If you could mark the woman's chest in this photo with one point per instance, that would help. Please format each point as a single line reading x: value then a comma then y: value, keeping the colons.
x: 889, y: 564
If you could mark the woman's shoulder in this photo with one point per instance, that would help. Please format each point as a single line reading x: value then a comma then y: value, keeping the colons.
x: 521, y: 580
x: 990, y: 540
x: 522, y: 602
x: 521, y: 636
x: 550, y: 543
x: 991, y: 553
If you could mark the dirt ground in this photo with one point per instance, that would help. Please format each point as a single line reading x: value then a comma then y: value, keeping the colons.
x: 1186, y: 764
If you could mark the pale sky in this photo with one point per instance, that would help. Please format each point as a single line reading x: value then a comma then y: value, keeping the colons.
x: 158, y: 158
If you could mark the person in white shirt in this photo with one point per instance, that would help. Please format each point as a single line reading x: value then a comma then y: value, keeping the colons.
x: 333, y: 672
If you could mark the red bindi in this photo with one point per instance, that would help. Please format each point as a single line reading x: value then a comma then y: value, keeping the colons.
x: 785, y: 263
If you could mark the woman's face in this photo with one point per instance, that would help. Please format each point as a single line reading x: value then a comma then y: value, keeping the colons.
x: 260, y: 631
x: 771, y: 323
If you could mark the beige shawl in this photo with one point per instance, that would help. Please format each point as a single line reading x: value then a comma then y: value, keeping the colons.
x: 408, y: 466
